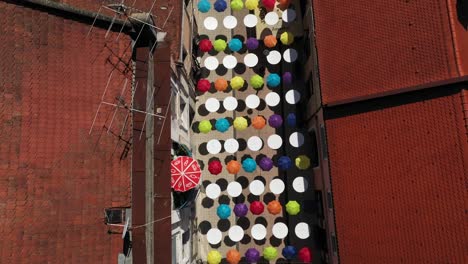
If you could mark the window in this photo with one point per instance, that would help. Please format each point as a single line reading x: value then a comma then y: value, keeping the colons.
x: 314, y: 155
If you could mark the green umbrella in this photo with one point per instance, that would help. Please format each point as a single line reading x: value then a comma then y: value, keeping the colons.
x: 237, y: 5
x: 237, y: 83
x: 270, y: 253
x: 302, y: 162
x: 220, y: 45
x: 256, y: 81
x: 205, y: 126
x: 287, y: 38
x: 240, y: 123
x: 293, y: 207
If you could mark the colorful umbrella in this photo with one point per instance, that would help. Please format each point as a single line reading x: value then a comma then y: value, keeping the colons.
x: 274, y: 207
x: 289, y: 252
x: 185, y: 174
x: 220, y: 45
x: 270, y: 253
x: 287, y: 38
x: 257, y: 207
x: 214, y: 257
x: 305, y: 255
x: 205, y: 45
x: 258, y: 122
x: 302, y: 162
x: 256, y: 81
x: 240, y: 123
x: 287, y: 78
x: 283, y: 4
x: 249, y: 165
x: 233, y: 167
x: 251, y: 4
x: 293, y: 207
x: 291, y: 120
x: 223, y: 211
x: 205, y: 126
x: 275, y: 121
x: 221, y: 85
x: 204, y: 6
x: 203, y: 85
x: 273, y: 80
x: 220, y: 5
x: 235, y: 44
x: 266, y: 164
x: 237, y: 5
x: 252, y: 255
x: 241, y: 210
x: 237, y: 83
x: 269, y: 4
x: 284, y: 163
x: 252, y: 43
x: 270, y: 41
x: 222, y: 125
x: 215, y: 167
x: 233, y: 256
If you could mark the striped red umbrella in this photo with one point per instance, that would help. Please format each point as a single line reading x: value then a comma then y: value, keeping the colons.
x: 185, y: 174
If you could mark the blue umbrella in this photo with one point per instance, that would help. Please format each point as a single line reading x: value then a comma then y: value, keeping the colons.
x: 284, y: 163
x: 273, y: 80
x: 291, y: 120
x: 222, y: 125
x: 289, y: 252
x: 220, y: 5
x: 235, y: 44
x: 249, y: 165
x: 223, y: 211
x: 204, y: 6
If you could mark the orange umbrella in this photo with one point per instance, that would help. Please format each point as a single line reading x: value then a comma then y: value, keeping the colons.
x: 233, y: 167
x: 233, y: 256
x: 270, y: 41
x: 258, y: 122
x: 221, y: 84
x: 274, y: 207
x: 283, y: 4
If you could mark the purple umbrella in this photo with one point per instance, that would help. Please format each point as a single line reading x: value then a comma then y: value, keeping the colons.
x: 252, y: 43
x: 241, y: 210
x: 287, y: 78
x: 275, y: 121
x: 252, y: 255
x: 266, y: 164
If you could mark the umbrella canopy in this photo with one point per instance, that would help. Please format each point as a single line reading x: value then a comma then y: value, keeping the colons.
x: 289, y: 252
x: 284, y: 163
x: 251, y: 4
x: 252, y: 255
x: 258, y: 122
x: 215, y: 167
x: 305, y: 255
x: 241, y: 210
x: 273, y: 80
x: 270, y: 253
x: 185, y: 173
x: 293, y: 207
x: 214, y: 257
x: 205, y: 126
x: 257, y: 207
x: 203, y: 85
x: 274, y: 207
x: 249, y: 165
x: 287, y: 78
x: 220, y: 5
x: 223, y: 211
x: 235, y: 44
x: 269, y: 4
x: 256, y: 81
x: 252, y: 43
x: 270, y: 41
x: 233, y: 167
x: 240, y: 123
x: 222, y: 125
x: 237, y: 83
x: 237, y: 5
x: 233, y: 256
x: 291, y: 120
x: 204, y: 6
x: 220, y: 45
x: 275, y: 121
x: 287, y: 38
x: 221, y: 84
x: 266, y: 164
x: 205, y: 45
x: 283, y: 4
x: 302, y: 162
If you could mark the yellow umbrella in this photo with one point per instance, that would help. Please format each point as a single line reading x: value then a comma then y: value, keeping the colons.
x: 251, y: 4
x: 287, y: 38
x: 214, y: 257
x: 302, y: 162
x: 240, y: 123
x: 256, y: 81
x: 205, y: 126
x: 237, y: 83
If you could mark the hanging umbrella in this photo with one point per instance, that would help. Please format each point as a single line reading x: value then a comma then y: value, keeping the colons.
x: 273, y: 80
x: 204, y: 6
x: 237, y: 83
x: 287, y: 38
x: 214, y: 257
x: 233, y: 256
x: 237, y: 5
x: 287, y: 78
x: 269, y: 4
x: 249, y: 165
x: 233, y: 167
x: 275, y: 121
x: 291, y: 120
x: 203, y: 85
x: 274, y: 207
x: 241, y: 210
x: 283, y: 4
x: 257, y: 207
x: 185, y: 174
x: 258, y: 122
x: 256, y: 81
x: 221, y: 84
x: 284, y: 163
x: 215, y: 167
x: 293, y: 207
x: 252, y: 43
x: 270, y: 41
x: 251, y: 4
x: 220, y: 45
x: 205, y: 45
x: 270, y: 253
x: 223, y: 211
x: 266, y: 164
x: 220, y: 5
x: 252, y: 255
x: 302, y: 162
x: 240, y: 123
x: 305, y: 255
x: 222, y: 125
x: 289, y: 252
x: 235, y: 44
x: 205, y: 126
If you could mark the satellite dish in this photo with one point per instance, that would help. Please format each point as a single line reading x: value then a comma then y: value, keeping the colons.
x: 125, y: 229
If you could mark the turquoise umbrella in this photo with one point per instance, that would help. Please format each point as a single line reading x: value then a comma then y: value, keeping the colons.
x: 223, y: 211
x: 273, y: 80
x: 204, y: 6
x: 222, y: 125
x: 249, y: 165
x: 235, y: 44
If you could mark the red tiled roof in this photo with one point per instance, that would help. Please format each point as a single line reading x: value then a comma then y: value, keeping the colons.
x: 55, y: 179
x: 399, y: 180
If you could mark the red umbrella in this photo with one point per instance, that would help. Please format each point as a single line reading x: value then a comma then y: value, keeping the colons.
x: 269, y: 4
x: 205, y: 45
x: 185, y: 173
x: 257, y: 207
x: 203, y: 85
x: 305, y: 255
x: 215, y: 167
